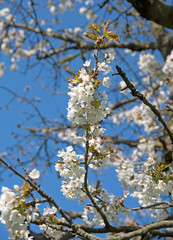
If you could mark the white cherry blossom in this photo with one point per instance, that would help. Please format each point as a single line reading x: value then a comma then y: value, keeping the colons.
x: 34, y: 174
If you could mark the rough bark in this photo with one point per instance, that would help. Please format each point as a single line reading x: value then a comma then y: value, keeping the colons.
x: 155, y: 10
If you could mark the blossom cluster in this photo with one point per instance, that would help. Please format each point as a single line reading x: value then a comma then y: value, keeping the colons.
x: 14, y: 41
x: 15, y: 222
x: 156, y: 76
x: 148, y: 184
x: 17, y: 212
x: 168, y: 66
x: 111, y: 205
x: 70, y: 169
x: 148, y: 181
x: 86, y: 108
x: 65, y: 5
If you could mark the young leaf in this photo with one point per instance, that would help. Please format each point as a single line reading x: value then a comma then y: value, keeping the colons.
x: 95, y: 27
x: 112, y: 36
x: 106, y: 26
x: 90, y: 35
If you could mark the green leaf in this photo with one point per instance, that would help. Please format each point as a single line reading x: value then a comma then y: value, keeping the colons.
x: 73, y: 80
x: 95, y: 27
x: 105, y: 33
x: 77, y: 79
x: 96, y: 102
x: 112, y: 36
x: 90, y: 35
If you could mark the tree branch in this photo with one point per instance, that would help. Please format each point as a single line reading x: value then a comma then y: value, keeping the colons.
x: 155, y: 10
x: 134, y: 46
x: 117, y: 140
x: 145, y: 229
x: 39, y: 190
x: 139, y: 95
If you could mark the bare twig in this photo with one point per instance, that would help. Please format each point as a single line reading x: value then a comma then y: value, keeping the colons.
x: 139, y: 95
x: 161, y: 205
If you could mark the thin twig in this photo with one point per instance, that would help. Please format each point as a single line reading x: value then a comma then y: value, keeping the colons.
x: 155, y: 206
x: 141, y: 97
